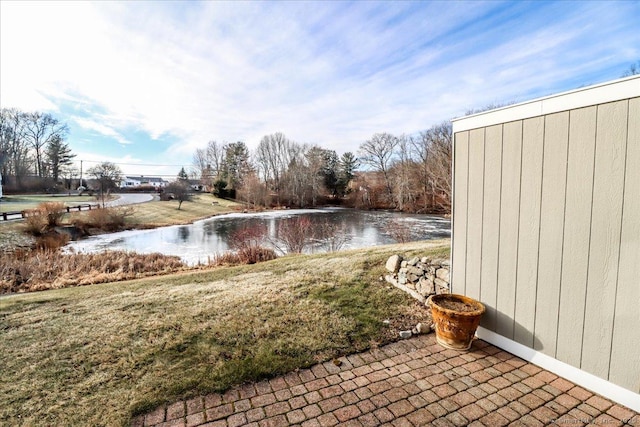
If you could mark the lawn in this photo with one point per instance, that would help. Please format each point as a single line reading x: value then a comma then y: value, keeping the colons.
x: 161, y: 213
x: 22, y: 202
x: 100, y: 354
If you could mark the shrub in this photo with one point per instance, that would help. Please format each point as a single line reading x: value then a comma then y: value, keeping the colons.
x: 398, y: 231
x: 34, y: 224
x: 254, y: 254
x: 294, y: 234
x: 107, y: 219
x: 53, y: 212
x: 331, y: 235
x: 46, y: 216
x: 51, y: 241
x: 246, y: 237
x: 247, y: 244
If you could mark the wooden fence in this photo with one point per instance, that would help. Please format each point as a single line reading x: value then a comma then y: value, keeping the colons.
x: 7, y: 216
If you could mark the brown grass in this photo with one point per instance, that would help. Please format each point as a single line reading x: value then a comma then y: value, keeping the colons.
x: 52, y: 212
x: 103, y: 219
x: 246, y: 255
x: 98, y: 355
x: 27, y: 271
x: 43, y: 218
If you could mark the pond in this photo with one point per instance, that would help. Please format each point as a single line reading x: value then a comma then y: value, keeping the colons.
x: 200, y: 241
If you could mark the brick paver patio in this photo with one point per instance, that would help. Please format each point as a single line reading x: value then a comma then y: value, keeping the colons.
x: 413, y: 382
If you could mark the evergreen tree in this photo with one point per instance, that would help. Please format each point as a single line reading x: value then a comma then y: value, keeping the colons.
x: 348, y: 165
x: 182, y: 175
x: 236, y: 164
x: 59, y: 157
x: 331, y: 172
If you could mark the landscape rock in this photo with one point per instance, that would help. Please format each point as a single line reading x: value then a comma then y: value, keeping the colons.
x: 441, y: 283
x: 443, y: 274
x: 418, y: 278
x: 425, y: 286
x: 393, y: 263
x: 415, y: 270
x: 405, y: 334
x: 422, y: 328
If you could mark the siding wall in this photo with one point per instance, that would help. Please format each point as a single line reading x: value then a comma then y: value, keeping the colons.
x: 546, y: 233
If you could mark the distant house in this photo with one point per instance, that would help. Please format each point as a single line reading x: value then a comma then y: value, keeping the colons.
x: 197, y: 185
x: 138, y: 181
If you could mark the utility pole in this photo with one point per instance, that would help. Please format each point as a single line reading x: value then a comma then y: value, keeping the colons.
x: 80, y: 174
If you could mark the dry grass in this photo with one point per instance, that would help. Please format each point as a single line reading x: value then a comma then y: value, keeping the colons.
x: 103, y: 219
x: 28, y: 271
x: 12, y: 237
x: 98, y: 355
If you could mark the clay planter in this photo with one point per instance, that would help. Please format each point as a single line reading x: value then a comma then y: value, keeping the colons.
x: 456, y: 319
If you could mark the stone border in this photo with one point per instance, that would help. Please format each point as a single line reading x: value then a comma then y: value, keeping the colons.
x: 419, y: 277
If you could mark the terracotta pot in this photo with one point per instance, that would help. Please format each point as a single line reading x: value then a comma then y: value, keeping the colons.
x: 456, y: 319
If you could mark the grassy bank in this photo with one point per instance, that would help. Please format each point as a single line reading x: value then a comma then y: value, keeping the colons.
x: 97, y: 355
x: 158, y: 213
x: 144, y: 215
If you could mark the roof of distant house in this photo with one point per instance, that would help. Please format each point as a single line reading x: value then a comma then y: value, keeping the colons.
x: 145, y: 178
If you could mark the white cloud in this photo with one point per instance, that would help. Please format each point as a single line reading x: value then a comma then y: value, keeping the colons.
x: 327, y: 73
x: 100, y: 128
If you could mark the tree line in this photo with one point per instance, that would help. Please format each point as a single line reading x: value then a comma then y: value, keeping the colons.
x: 279, y: 172
x: 408, y: 173
x: 33, y: 144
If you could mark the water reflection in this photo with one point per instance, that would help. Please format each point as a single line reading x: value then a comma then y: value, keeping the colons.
x: 197, y: 242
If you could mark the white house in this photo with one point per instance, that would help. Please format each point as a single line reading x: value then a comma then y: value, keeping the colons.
x: 137, y: 181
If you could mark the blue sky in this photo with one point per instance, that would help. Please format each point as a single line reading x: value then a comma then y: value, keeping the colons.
x: 147, y: 83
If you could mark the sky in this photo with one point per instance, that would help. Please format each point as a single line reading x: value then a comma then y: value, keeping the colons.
x: 146, y: 83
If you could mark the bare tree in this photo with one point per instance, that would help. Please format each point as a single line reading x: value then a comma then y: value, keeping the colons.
x: 253, y: 191
x: 315, y: 159
x: 208, y: 162
x: 632, y: 70
x: 404, y: 193
x: 378, y: 153
x: 295, y: 181
x: 180, y: 191
x: 432, y: 149
x: 273, y: 157
x: 108, y: 175
x: 13, y: 144
x: 40, y: 129
x: 440, y: 164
